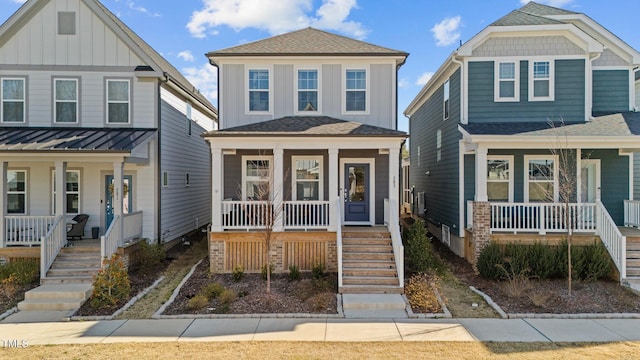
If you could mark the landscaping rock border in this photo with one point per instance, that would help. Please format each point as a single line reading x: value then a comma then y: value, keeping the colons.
x: 176, y: 291
x: 490, y: 302
x: 8, y: 313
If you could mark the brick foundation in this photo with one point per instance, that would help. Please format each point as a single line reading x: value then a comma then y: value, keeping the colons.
x: 481, y: 228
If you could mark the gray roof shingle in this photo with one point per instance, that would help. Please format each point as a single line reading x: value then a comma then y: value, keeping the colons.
x: 312, y: 126
x: 532, y: 14
x: 72, y: 139
x: 307, y: 42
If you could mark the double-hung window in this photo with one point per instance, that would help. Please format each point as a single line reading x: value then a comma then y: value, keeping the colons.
x: 73, y: 191
x: 541, y: 179
x: 259, y: 90
x: 507, y: 81
x: 307, y: 91
x: 66, y: 100
x: 439, y: 145
x: 188, y: 120
x: 307, y: 180
x: 445, y: 105
x: 541, y: 81
x: 356, y: 90
x: 12, y: 96
x: 256, y: 177
x: 499, y: 179
x: 118, y: 101
x: 17, y: 192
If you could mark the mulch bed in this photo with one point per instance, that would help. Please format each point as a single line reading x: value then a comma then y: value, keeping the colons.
x: 7, y: 303
x: 306, y: 295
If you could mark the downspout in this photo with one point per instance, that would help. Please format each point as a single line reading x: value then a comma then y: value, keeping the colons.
x: 453, y: 58
x: 461, y: 202
x: 590, y: 87
x: 163, y: 80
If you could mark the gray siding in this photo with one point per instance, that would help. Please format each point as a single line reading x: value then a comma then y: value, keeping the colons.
x: 614, y: 174
x: 569, y: 101
x: 441, y: 186
x: 180, y: 153
x: 283, y: 86
x: 527, y: 46
x: 610, y: 90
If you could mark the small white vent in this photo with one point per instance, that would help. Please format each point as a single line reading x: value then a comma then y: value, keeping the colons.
x: 446, y: 235
x: 420, y: 201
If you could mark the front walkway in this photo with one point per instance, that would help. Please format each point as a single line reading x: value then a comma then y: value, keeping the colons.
x: 350, y: 330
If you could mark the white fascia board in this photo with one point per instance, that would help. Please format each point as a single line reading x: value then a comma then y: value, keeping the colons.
x: 311, y: 59
x: 83, y: 157
x: 602, y: 31
x: 305, y: 143
x: 548, y: 142
x: 444, y: 72
x: 579, y: 37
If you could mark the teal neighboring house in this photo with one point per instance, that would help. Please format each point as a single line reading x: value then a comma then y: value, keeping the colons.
x: 484, y: 129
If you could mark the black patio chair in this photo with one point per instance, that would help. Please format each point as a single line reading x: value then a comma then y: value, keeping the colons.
x: 77, y: 229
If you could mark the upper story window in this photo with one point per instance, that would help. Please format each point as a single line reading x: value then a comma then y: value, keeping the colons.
x: 259, y: 90
x: 541, y: 81
x: 307, y: 181
x: 507, y: 81
x: 445, y: 104
x: 308, y: 91
x: 499, y: 179
x: 356, y: 90
x: 118, y: 101
x: 12, y: 95
x: 439, y: 145
x: 188, y: 119
x: 66, y: 100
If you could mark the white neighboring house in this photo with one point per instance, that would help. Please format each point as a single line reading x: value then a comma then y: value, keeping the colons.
x: 94, y: 121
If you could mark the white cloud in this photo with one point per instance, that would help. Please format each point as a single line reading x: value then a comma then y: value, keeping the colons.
x: 19, y: 1
x: 554, y: 3
x: 403, y: 83
x: 186, y: 55
x: 205, y: 79
x: 135, y: 7
x: 424, y: 78
x: 446, y: 31
x: 274, y: 16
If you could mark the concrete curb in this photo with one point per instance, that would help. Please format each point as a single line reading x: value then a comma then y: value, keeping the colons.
x: 9, y: 312
x: 176, y: 291
x: 491, y: 303
x: 126, y: 306
x: 576, y: 316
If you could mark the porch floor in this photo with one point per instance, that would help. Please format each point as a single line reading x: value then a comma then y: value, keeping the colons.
x: 355, y: 228
x: 629, y: 231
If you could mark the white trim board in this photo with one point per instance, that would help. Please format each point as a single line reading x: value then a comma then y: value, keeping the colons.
x: 372, y: 188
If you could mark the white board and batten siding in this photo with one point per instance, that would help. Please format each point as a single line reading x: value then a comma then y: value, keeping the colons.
x: 381, y: 95
x: 183, y: 207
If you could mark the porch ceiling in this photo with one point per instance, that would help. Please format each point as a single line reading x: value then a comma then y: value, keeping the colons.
x: 72, y: 139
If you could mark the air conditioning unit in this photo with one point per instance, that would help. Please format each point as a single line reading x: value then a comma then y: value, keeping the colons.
x: 421, y: 204
x: 446, y: 235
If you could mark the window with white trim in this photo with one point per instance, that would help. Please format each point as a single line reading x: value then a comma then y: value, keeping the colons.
x: 439, y: 145
x: 445, y: 104
x: 499, y: 179
x: 118, y: 101
x: 507, y: 81
x: 73, y: 191
x: 17, y: 192
x: 541, y: 179
x: 66, y: 101
x: 256, y: 177
x: 541, y: 80
x: 188, y: 120
x: 12, y: 96
x: 259, y: 90
x: 307, y: 90
x: 356, y: 90
x: 307, y: 179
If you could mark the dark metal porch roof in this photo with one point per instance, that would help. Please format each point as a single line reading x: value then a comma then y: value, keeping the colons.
x: 72, y: 139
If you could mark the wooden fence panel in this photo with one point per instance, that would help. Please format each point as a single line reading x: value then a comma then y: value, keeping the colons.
x: 246, y: 253
x: 304, y: 254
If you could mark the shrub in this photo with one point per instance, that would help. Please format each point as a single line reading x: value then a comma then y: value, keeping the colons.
x: 263, y: 272
x: 294, y: 273
x: 420, y: 293
x: 227, y: 297
x: 24, y: 271
x: 212, y: 291
x: 489, y: 260
x: 198, y: 302
x: 151, y: 255
x: 111, y: 284
x: 592, y: 262
x: 317, y: 270
x: 238, y: 273
x: 418, y: 250
x: 9, y: 286
x: 542, y: 261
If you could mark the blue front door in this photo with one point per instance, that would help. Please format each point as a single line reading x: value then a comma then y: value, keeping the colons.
x: 126, y: 199
x: 356, y: 192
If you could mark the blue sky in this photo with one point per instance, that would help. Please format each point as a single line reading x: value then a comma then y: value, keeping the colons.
x: 429, y: 30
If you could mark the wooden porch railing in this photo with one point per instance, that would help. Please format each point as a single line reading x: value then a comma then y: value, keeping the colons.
x: 338, y: 219
x: 51, y: 243
x: 542, y: 217
x: 131, y: 226
x: 26, y: 230
x: 632, y: 213
x: 306, y: 214
x: 393, y: 223
x: 255, y: 215
x: 612, y: 238
x: 110, y: 241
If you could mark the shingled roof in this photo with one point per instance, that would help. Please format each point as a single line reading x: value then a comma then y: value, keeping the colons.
x: 532, y: 14
x: 312, y: 126
x: 307, y: 42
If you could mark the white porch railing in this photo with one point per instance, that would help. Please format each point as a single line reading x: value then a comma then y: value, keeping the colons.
x: 131, y: 226
x: 632, y: 213
x: 541, y: 217
x: 393, y: 223
x: 51, y: 243
x: 26, y: 230
x: 612, y: 239
x: 338, y: 209
x: 306, y: 214
x: 245, y: 215
x: 110, y: 240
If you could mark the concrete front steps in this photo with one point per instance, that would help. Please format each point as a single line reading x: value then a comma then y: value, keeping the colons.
x: 633, y: 257
x: 69, y: 281
x: 368, y: 263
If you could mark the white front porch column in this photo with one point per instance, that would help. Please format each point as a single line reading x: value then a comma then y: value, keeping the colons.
x: 394, y: 169
x: 117, y: 204
x: 217, y: 173
x: 333, y: 188
x: 61, y: 188
x: 3, y: 202
x: 481, y: 174
x: 578, y: 175
x: 278, y: 187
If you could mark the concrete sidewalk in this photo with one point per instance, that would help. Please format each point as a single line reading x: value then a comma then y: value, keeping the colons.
x: 275, y: 329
